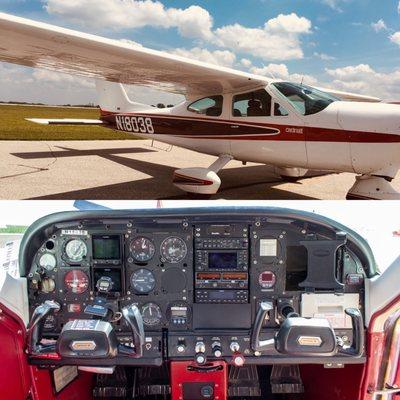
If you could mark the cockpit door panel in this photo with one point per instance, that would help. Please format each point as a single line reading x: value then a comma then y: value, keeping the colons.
x: 14, y: 369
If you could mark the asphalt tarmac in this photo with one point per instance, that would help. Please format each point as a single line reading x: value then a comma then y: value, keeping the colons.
x: 128, y: 170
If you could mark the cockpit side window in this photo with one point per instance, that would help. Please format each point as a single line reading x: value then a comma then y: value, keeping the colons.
x: 305, y: 99
x: 279, y: 111
x: 210, y: 106
x: 252, y: 104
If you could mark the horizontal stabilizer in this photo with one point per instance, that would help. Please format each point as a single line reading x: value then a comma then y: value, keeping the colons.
x: 65, y: 121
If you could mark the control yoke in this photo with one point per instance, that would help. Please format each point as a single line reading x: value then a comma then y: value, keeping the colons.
x: 308, y: 336
x: 72, y: 335
x: 35, y: 328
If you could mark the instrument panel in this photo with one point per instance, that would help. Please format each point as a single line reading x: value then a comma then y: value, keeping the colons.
x: 196, y: 280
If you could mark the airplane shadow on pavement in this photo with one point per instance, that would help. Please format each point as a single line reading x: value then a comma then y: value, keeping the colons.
x: 258, y: 182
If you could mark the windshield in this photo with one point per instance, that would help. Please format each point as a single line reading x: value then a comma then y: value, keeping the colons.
x: 305, y: 99
x: 380, y: 228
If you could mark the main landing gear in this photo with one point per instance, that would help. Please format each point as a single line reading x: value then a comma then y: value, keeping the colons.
x: 201, y: 181
x: 371, y: 187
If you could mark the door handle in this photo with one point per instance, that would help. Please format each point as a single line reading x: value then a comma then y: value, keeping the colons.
x: 234, y: 126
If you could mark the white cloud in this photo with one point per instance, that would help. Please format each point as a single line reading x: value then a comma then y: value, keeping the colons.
x: 281, y: 71
x: 192, y: 22
x: 278, y: 39
x: 365, y: 80
x: 131, y: 42
x: 395, y: 38
x: 245, y: 62
x: 219, y: 57
x: 334, y: 4
x: 61, y: 80
x: 30, y: 85
x: 324, y: 57
x: 379, y: 26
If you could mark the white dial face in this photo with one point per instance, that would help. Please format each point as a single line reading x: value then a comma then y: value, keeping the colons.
x: 173, y: 249
x: 47, y: 261
x: 76, y: 250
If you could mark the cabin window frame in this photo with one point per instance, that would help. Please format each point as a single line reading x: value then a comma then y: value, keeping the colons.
x: 205, y: 114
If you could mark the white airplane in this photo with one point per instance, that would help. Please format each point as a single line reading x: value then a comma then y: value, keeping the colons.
x: 227, y: 113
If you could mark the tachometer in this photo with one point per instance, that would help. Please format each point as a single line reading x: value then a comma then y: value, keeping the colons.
x: 143, y: 281
x: 76, y: 281
x: 267, y: 279
x: 76, y: 250
x: 173, y: 249
x: 151, y: 314
x: 142, y: 249
x: 47, y: 261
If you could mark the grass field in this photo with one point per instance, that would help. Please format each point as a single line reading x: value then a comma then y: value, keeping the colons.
x: 13, y: 125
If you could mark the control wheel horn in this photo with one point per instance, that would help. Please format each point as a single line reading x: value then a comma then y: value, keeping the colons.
x: 134, y: 319
x: 35, y: 329
x: 257, y: 344
x: 357, y: 347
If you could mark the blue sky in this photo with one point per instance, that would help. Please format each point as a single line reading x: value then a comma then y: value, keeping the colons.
x: 347, y: 44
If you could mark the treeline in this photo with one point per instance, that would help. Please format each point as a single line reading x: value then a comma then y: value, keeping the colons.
x: 90, y: 105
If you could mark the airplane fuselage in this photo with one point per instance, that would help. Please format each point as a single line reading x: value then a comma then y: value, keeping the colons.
x: 339, y: 138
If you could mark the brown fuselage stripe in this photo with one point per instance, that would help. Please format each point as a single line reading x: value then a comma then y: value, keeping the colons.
x: 206, y: 128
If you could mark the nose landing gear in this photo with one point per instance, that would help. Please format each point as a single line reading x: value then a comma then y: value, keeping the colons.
x: 372, y: 187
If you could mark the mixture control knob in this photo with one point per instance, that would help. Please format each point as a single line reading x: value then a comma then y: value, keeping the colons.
x: 216, y: 349
x: 200, y: 358
x: 237, y: 360
x: 235, y: 347
x: 200, y: 347
x: 181, y: 346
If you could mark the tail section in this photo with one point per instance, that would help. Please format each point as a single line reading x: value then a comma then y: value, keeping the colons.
x: 112, y: 97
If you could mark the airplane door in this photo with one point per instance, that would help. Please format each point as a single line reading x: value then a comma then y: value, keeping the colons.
x: 382, y: 372
x: 264, y: 131
x: 15, y: 379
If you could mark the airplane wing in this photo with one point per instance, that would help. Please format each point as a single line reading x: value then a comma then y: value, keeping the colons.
x: 36, y: 44
x: 347, y: 96
x: 65, y: 121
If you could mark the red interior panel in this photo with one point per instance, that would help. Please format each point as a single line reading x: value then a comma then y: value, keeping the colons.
x: 191, y: 382
x: 14, y: 370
